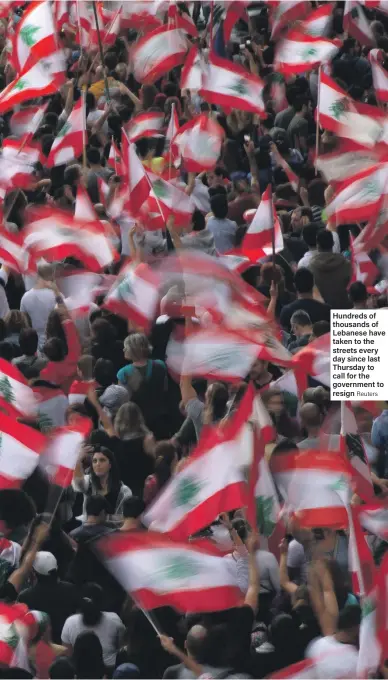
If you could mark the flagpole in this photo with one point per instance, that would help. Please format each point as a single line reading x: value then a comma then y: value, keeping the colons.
x: 107, y: 94
x: 83, y: 95
x: 211, y: 25
x: 172, y: 115
x: 106, y: 35
x: 317, y: 131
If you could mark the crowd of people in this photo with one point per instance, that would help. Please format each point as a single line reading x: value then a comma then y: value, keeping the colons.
x: 63, y: 613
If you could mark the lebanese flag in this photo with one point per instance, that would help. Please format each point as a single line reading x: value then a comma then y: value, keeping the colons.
x: 363, y: 268
x: 35, y: 35
x: 30, y: 84
x: 361, y: 564
x: 149, y: 124
x: 61, y: 13
x: 158, y: 572
x: 317, y: 23
x: 374, y: 518
x: 258, y: 237
x: 84, y: 23
x: 64, y: 445
x: 347, y: 160
x: 80, y: 289
x: 139, y: 186
x: 84, y: 209
x: 79, y: 390
x: 16, y: 396
x: 115, y: 160
x: 352, y: 447
x: 232, y: 86
x: 382, y: 604
x: 285, y: 12
x: 191, y: 74
x: 164, y: 200
x: 69, y: 142
x: 199, y: 142
x: 171, y: 153
x: 298, y: 671
x: 55, y: 234
x: 235, y: 262
x: 209, y: 483
x: 20, y: 448
x: 370, y: 650
x: 143, y: 15
x: 22, y: 121
x: 315, y: 486
x: 314, y: 360
x: 298, y: 53
x: 356, y: 24
x: 181, y: 20
x: 379, y: 74
x: 294, y: 382
x: 12, y: 251
x: 358, y: 198
x: 157, y: 53
x: 135, y: 295
x: 235, y: 10
x: 339, y: 113
x: 52, y: 406
x: 17, y: 164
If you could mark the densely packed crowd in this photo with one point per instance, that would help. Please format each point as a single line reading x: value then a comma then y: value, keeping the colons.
x: 187, y: 189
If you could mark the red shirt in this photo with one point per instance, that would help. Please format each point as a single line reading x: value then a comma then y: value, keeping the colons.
x: 62, y: 373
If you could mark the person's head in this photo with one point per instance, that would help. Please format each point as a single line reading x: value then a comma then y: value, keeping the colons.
x: 301, y: 323
x: 317, y: 395
x: 282, y: 632
x: 15, y: 321
x: 259, y: 369
x: 196, y: 643
x: 166, y: 459
x: 133, y: 508
x: 198, y: 222
x: 137, y: 348
x: 16, y: 510
x: 87, y: 656
x: 147, y: 95
x: 310, y: 417
x: 241, y: 186
x: 125, y: 671
x: 45, y: 272
x: 309, y: 236
x: 91, y: 604
x: 325, y: 241
x: 104, y: 469
x: 72, y: 175
x: 129, y: 421
x: 349, y: 46
x: 54, y: 349
x: 219, y: 206
x: 74, y: 412
x: 85, y: 367
x: 216, y: 400
x: 215, y: 177
x: 45, y: 567
x: 61, y: 669
x: 269, y: 273
x: 320, y: 328
x: 301, y: 105
x: 102, y: 332
x: 95, y: 507
x: 300, y: 218
x: 93, y: 156
x: 358, y: 295
x: 104, y: 372
x: 304, y: 282
x: 274, y: 401
x: 316, y: 192
x: 348, y: 624
x: 28, y: 341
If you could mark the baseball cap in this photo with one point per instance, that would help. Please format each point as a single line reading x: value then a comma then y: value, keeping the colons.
x: 45, y: 563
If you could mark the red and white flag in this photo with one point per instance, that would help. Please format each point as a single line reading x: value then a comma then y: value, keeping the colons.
x: 171, y: 152
x: 135, y: 295
x: 139, y: 186
x: 318, y: 22
x: 55, y: 234
x: 314, y: 360
x: 315, y: 486
x: 358, y: 198
x: 69, y: 142
x: 182, y: 20
x: 80, y: 289
x: 356, y: 23
x: 157, y: 53
x: 298, y: 53
x: 159, y: 572
x: 258, y: 238
x: 52, y: 406
x: 347, y: 160
x: 164, y: 200
x: 361, y: 564
x: 199, y: 142
x: 143, y: 15
x: 374, y: 518
x: 197, y: 494
x: 363, y: 268
x: 61, y: 455
x: 22, y: 121
x: 191, y: 75
x: 379, y: 75
x: 30, y: 84
x: 353, y: 448
x: 232, y: 86
x: 20, y: 448
x: 303, y: 670
x: 149, y: 124
x: 17, y: 164
x: 284, y: 12
x: 16, y: 396
x: 35, y: 35
x: 12, y: 251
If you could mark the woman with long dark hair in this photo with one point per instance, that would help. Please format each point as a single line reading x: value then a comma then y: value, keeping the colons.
x: 165, y: 464
x: 87, y: 657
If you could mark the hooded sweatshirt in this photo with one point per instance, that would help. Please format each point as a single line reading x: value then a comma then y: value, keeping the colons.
x: 332, y: 273
x: 200, y: 240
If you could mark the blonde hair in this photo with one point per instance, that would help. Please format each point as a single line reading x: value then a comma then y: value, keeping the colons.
x: 129, y: 421
x: 137, y: 346
x: 15, y: 321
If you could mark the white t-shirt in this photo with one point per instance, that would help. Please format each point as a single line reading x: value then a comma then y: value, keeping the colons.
x: 109, y: 631
x: 4, y: 306
x: 332, y: 659
x: 38, y: 303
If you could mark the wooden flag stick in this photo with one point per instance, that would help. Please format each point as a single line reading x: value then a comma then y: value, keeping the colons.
x: 107, y: 94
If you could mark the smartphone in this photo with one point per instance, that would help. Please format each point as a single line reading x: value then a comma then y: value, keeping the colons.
x: 247, y: 138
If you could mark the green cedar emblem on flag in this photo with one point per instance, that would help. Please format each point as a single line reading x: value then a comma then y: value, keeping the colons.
x: 264, y: 514
x: 370, y: 190
x: 239, y: 87
x: 20, y: 85
x: 277, y: 78
x: 12, y: 638
x: 159, y: 188
x: 45, y: 423
x: 64, y: 130
x: 124, y: 289
x: 308, y: 53
x: 27, y: 34
x: 340, y: 484
x: 187, y: 490
x: 6, y: 390
x: 368, y: 606
x: 179, y: 568
x: 339, y: 107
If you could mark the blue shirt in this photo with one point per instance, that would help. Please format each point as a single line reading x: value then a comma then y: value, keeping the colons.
x: 224, y: 232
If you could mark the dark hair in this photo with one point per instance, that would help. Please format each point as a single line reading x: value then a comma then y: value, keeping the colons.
x: 114, y: 481
x: 6, y: 350
x: 300, y: 317
x: 95, y: 505
x: 285, y: 446
x: 198, y: 220
x: 325, y: 240
x: 54, y: 349
x: 103, y: 332
x: 87, y: 656
x: 91, y: 604
x: 357, y: 292
x: 133, y: 507
x: 85, y: 366
x: 303, y: 281
x: 148, y: 94
x: 72, y: 174
x: 349, y: 617
x: 309, y: 235
x: 28, y: 341
x: 219, y: 206
x: 299, y: 103
x: 216, y: 405
x: 165, y: 455
x: 61, y: 669
x: 316, y: 192
x: 321, y: 328
x: 54, y: 328
x: 93, y: 156
x: 16, y: 508
x: 104, y: 372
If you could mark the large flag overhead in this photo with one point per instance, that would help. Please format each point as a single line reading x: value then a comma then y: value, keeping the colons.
x: 12, y: 251
x: 379, y: 74
x: 199, y: 142
x: 232, y: 86
x: 166, y: 199
x: 264, y: 228
x: 20, y: 448
x: 358, y: 198
x: 16, y: 396
x: 356, y: 23
x: 135, y: 295
x: 191, y: 75
x: 285, y: 12
x: 158, y: 52
x: 29, y: 84
x: 318, y: 22
x: 69, y: 142
x: 346, y: 160
x: 149, y: 124
x: 209, y: 483
x: 158, y: 572
x: 138, y: 184
x: 35, y: 35
x: 363, y: 268
x: 62, y: 453
x: 298, y: 53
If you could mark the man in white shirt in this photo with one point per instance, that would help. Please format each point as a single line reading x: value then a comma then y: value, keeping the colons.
x: 336, y: 656
x: 40, y: 301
